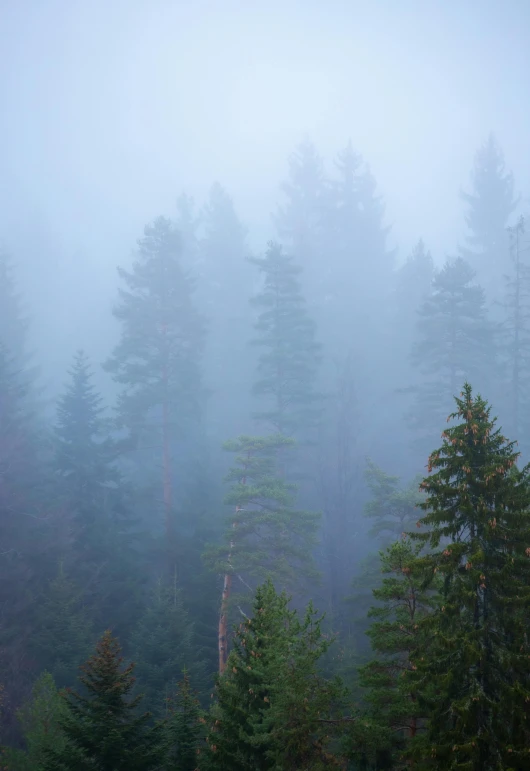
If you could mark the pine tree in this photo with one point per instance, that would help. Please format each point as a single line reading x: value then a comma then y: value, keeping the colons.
x: 63, y: 637
x: 455, y: 341
x: 514, y: 343
x: 99, y: 501
x: 185, y: 728
x: 39, y: 719
x: 163, y: 645
x: 272, y: 708
x: 265, y: 535
x: 157, y: 360
x: 104, y: 727
x: 392, y: 508
x: 475, y: 666
x: 392, y: 708
x: 490, y: 207
x: 287, y: 366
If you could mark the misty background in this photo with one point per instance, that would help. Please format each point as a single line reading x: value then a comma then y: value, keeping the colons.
x: 111, y: 109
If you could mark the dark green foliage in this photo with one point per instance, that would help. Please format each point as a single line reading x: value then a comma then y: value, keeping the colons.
x: 393, y: 712
x: 271, y: 706
x: 64, y: 635
x: 289, y: 357
x: 163, y: 645
x: 103, y: 728
x: 265, y: 534
x: 39, y: 719
x: 185, y: 729
x: 454, y: 342
x: 475, y: 666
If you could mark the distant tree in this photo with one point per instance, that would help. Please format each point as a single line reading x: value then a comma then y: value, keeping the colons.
x: 185, y: 728
x: 490, y: 203
x: 187, y: 224
x: 392, y: 508
x: 163, y: 645
x: 272, y: 707
x: 288, y: 363
x: 102, y: 557
x: 14, y: 325
x: 63, y: 638
x: 103, y: 728
x: 158, y: 358
x: 514, y: 340
x: 300, y: 219
x: 413, y: 285
x: 455, y: 341
x: 265, y: 534
x: 472, y: 672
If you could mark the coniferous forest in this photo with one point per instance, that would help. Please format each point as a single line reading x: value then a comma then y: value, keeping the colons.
x: 283, y: 522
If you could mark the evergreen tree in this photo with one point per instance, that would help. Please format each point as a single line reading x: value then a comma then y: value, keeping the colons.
x: 13, y: 325
x: 103, y: 728
x: 473, y: 674
x: 287, y: 367
x: 157, y: 360
x: 272, y: 708
x: 187, y: 224
x: 300, y: 221
x: 184, y: 728
x: 455, y: 341
x: 63, y: 637
x: 392, y: 708
x: 99, y: 501
x: 163, y: 645
x: 392, y: 508
x: 514, y: 343
x: 39, y: 718
x: 413, y: 285
x: 491, y: 204
x: 265, y: 535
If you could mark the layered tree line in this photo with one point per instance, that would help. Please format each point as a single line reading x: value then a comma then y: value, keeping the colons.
x: 273, y: 549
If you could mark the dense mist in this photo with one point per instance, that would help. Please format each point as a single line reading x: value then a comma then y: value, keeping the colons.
x: 250, y: 255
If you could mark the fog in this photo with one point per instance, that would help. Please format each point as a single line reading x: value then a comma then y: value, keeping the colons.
x: 110, y: 110
x: 372, y: 159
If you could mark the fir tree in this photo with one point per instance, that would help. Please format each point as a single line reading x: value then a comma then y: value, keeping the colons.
x: 455, y: 341
x: 287, y: 366
x: 63, y: 637
x: 157, y: 360
x: 491, y: 204
x: 104, y: 727
x: 184, y: 728
x: 163, y: 645
x: 271, y: 706
x: 473, y: 674
x: 265, y: 535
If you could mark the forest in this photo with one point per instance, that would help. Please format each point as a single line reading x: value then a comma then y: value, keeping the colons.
x: 210, y: 571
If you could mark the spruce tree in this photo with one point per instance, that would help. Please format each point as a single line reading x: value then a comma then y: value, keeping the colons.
x: 39, y: 719
x: 100, y: 502
x: 272, y: 709
x: 287, y: 365
x: 158, y: 357
x: 490, y: 205
x: 185, y: 728
x: 104, y: 729
x: 455, y: 341
x: 392, y: 710
x: 63, y: 638
x: 473, y: 673
x: 163, y: 645
x: 265, y: 534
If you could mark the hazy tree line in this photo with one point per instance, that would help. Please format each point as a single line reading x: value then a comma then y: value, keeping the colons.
x: 326, y: 372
